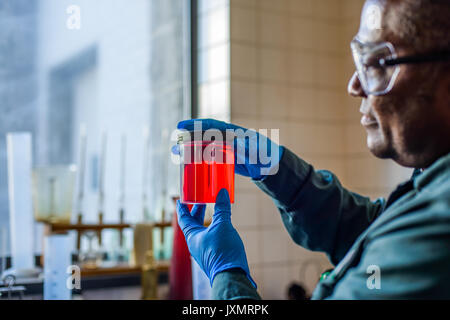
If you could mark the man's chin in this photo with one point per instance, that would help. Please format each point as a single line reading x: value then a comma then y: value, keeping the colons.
x: 377, y: 146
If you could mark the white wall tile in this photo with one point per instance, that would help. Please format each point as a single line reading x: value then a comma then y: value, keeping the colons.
x: 274, y: 6
x: 396, y: 174
x: 301, y: 7
x: 301, y: 33
x: 327, y: 37
x: 318, y: 139
x: 329, y: 105
x: 355, y: 139
x: 243, y: 61
x: 247, y: 122
x: 246, y: 211
x: 352, y: 9
x: 348, y: 69
x: 301, y: 103
x: 275, y: 282
x: 328, y: 72
x: 352, y: 105
x: 243, y: 3
x: 252, y: 246
x: 349, y: 30
x: 270, y: 216
x: 274, y: 245
x: 333, y: 164
x: 257, y: 275
x: 243, y: 25
x: 367, y: 172
x: 297, y: 253
x: 327, y: 9
x: 302, y: 67
x: 283, y: 127
x: 273, y: 65
x: 274, y: 101
x: 244, y: 100
x: 244, y: 184
x: 273, y: 29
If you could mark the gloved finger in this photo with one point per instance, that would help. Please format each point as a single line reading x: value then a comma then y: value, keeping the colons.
x: 186, y: 222
x: 176, y: 150
x: 206, y: 124
x: 198, y: 213
x: 222, y: 209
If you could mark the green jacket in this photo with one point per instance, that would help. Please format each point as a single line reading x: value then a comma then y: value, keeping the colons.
x: 406, y: 237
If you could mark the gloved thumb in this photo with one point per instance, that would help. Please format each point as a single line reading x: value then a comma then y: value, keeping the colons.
x: 186, y: 222
x: 222, y: 209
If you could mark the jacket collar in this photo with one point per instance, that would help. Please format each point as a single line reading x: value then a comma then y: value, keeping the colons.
x: 440, y: 168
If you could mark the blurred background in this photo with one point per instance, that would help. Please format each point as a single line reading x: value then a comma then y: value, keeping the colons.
x: 102, y: 84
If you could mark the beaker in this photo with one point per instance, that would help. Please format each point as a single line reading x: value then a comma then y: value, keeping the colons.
x: 207, y: 165
x: 53, y: 193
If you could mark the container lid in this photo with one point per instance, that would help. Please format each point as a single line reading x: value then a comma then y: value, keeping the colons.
x: 206, y: 135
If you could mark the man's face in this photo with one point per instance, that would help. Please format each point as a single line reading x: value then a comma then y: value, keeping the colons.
x: 399, y: 122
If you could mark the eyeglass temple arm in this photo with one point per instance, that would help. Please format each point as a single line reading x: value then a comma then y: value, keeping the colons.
x: 416, y: 59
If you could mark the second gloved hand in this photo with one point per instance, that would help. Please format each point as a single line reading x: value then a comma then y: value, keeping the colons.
x: 249, y: 146
x: 215, y: 248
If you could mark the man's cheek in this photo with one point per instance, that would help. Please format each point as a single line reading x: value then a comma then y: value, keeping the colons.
x: 384, y: 110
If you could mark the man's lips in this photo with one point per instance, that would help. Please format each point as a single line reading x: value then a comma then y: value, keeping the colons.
x: 368, y: 121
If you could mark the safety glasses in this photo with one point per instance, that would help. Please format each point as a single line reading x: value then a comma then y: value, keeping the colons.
x: 378, y: 65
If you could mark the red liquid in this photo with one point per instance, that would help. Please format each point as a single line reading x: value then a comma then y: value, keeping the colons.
x: 202, y: 180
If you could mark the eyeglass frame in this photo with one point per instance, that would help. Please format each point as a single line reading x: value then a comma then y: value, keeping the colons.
x: 395, y: 61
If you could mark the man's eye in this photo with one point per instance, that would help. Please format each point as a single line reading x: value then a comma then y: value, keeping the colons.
x: 372, y: 62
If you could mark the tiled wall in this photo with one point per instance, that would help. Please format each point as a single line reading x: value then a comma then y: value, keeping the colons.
x: 289, y: 64
x: 285, y: 74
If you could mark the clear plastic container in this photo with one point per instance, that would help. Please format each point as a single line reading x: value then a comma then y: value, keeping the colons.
x: 207, y: 166
x: 53, y: 190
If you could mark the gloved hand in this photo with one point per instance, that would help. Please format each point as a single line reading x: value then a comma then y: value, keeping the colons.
x: 247, y: 148
x: 218, y: 247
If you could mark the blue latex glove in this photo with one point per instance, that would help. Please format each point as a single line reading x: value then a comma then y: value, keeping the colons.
x: 218, y: 247
x: 243, y: 165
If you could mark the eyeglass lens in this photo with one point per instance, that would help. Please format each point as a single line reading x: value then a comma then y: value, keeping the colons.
x: 375, y: 78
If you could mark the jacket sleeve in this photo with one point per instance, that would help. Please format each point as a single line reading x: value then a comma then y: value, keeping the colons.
x: 318, y: 213
x: 233, y: 285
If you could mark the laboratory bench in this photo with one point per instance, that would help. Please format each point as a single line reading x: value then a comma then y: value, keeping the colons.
x: 95, y: 286
x: 98, y: 281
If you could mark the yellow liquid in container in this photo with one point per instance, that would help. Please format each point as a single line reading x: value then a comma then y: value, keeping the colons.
x: 53, y: 190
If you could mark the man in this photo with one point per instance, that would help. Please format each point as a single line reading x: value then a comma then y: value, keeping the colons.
x: 401, y: 54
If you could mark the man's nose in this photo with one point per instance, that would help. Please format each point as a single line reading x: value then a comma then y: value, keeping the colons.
x: 354, y: 87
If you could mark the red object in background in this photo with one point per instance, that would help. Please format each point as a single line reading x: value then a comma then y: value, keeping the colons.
x: 180, y: 273
x: 202, y: 180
